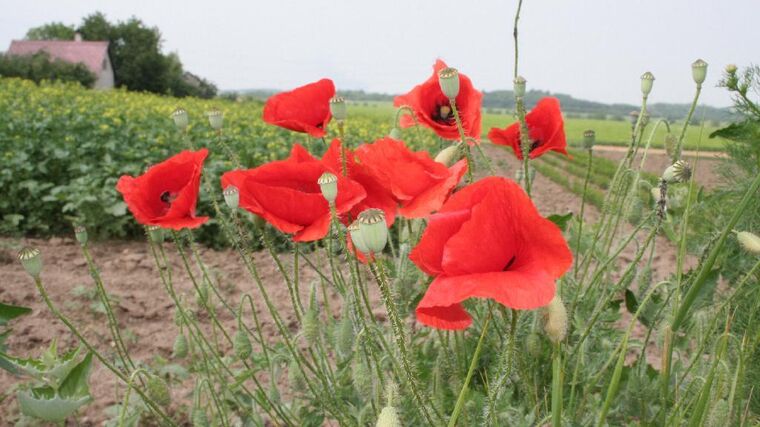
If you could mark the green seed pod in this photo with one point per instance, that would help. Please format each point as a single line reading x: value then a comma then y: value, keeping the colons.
x: 699, y: 71
x: 181, y: 119
x: 449, y: 155
x: 395, y: 133
x: 344, y: 336
x: 647, y: 81
x: 555, y: 320
x: 231, y: 197
x: 388, y: 418
x: 80, y: 233
x: 31, y: 260
x: 356, y: 237
x: 519, y: 86
x: 241, y: 345
x: 589, y: 137
x: 199, y: 418
x: 533, y: 344
x: 448, y: 79
x: 749, y: 241
x: 679, y: 171
x: 155, y: 233
x: 373, y: 229
x: 328, y: 184
x: 158, y: 390
x: 338, y: 108
x: 180, y: 347
x: 215, y: 119
x: 362, y: 378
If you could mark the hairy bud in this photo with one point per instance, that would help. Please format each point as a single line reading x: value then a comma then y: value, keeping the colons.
x: 388, y: 418
x: 158, y: 390
x: 749, y: 241
x: 241, y: 345
x: 179, y: 350
x: 555, y: 320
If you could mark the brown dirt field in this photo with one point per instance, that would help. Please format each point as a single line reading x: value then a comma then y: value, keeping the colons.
x: 145, y: 311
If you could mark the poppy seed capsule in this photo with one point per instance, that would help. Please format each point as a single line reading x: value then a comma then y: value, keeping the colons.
x: 519, y: 86
x: 448, y: 79
x: 555, y: 320
x: 388, y: 418
x: 181, y: 120
x: 338, y: 108
x: 699, y: 71
x: 31, y: 260
x: 80, y: 233
x: 328, y: 184
x: 215, y: 119
x: 356, y: 237
x: 373, y: 229
x: 231, y: 197
x: 589, y: 137
x: 448, y: 156
x: 680, y: 171
x: 647, y: 81
x: 749, y: 241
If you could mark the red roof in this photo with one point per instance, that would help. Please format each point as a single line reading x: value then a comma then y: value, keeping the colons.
x: 89, y: 53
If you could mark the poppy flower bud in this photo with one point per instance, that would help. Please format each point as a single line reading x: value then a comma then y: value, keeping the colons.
x: 155, y: 233
x: 731, y: 68
x: 647, y: 81
x: 361, y: 376
x: 181, y: 119
x: 670, y: 144
x: 344, y: 336
x: 448, y: 79
x: 589, y: 137
x: 519, y: 86
x: 231, y: 197
x: 241, y: 345
x: 31, y: 260
x: 295, y: 377
x: 680, y: 171
x: 199, y: 418
x: 158, y: 390
x: 395, y: 133
x: 356, y: 237
x: 310, y: 326
x: 533, y: 344
x: 215, y: 119
x: 699, y: 71
x: 749, y: 241
x: 338, y: 108
x: 80, y: 233
x: 373, y: 229
x: 388, y: 418
x: 448, y: 156
x: 555, y: 320
x: 179, y: 349
x: 328, y: 184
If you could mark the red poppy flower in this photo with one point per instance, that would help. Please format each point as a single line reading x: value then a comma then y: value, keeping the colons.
x: 286, y: 194
x: 378, y: 196
x: 417, y: 182
x: 488, y: 241
x: 545, y: 128
x: 305, y: 109
x: 166, y: 194
x: 432, y: 108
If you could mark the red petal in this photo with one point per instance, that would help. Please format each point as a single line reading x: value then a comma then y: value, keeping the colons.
x: 428, y: 253
x: 304, y: 109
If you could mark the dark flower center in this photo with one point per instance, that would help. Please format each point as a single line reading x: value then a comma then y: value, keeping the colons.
x: 443, y: 114
x: 509, y: 264
x: 168, y: 197
x: 535, y: 144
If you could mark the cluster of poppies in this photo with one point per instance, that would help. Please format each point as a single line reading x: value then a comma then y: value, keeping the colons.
x: 485, y: 240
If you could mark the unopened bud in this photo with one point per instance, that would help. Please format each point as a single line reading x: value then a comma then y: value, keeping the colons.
x: 241, y: 345
x: 199, y: 418
x: 328, y: 184
x: 749, y: 241
x: 395, y: 133
x: 533, y: 344
x: 295, y: 377
x: 448, y: 79
x: 555, y: 320
x: 155, y: 233
x: 670, y: 144
x: 310, y: 326
x: 680, y: 171
x: 373, y: 229
x: 647, y: 81
x: 158, y: 390
x: 344, y: 335
x: 179, y: 349
x: 361, y: 377
x: 338, y: 108
x: 448, y: 156
x: 519, y: 86
x: 231, y: 197
x: 215, y: 119
x: 356, y: 237
x: 589, y: 137
x: 31, y: 260
x: 80, y: 233
x: 699, y: 71
x: 181, y: 120
x: 388, y: 418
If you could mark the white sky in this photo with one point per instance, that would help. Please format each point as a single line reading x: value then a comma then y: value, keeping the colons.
x: 591, y: 49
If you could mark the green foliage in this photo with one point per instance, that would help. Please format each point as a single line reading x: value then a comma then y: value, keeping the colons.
x: 52, y: 31
x: 39, y: 67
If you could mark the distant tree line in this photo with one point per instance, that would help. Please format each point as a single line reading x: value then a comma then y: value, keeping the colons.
x: 40, y: 67
x: 135, y: 52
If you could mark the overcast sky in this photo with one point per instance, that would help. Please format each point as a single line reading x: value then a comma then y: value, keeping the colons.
x: 591, y: 49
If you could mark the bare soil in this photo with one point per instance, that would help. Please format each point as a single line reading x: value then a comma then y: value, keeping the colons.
x: 146, y: 313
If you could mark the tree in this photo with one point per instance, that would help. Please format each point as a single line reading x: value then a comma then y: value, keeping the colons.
x: 52, y: 31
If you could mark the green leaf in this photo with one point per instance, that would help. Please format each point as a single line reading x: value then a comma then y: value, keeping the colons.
x: 43, y: 403
x: 75, y: 384
x: 10, y: 312
x: 630, y: 302
x: 561, y: 220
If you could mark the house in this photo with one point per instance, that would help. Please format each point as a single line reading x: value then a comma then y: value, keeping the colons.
x: 94, y: 55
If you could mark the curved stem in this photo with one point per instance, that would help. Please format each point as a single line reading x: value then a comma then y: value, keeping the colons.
x: 465, y: 147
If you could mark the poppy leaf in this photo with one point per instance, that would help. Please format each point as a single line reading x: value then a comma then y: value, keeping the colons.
x: 561, y: 220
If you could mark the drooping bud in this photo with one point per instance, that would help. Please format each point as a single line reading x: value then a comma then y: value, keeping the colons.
x: 699, y: 71
x: 533, y: 344
x: 231, y: 197
x: 215, y: 119
x: 448, y: 79
x: 310, y: 326
x: 31, y: 260
x: 589, y: 137
x: 328, y: 184
x: 373, y: 229
x: 344, y: 335
x: 361, y: 376
x: 670, y: 144
x: 338, y: 108
x: 155, y: 233
x: 158, y: 390
x: 519, y: 86
x: 179, y: 350
x: 199, y: 418
x: 181, y: 119
x: 680, y: 171
x: 356, y: 237
x: 80, y: 233
x: 555, y: 320
x: 295, y: 376
x: 749, y: 241
x: 241, y: 345
x: 388, y: 418
x: 647, y: 81
x: 395, y: 133
x: 449, y: 155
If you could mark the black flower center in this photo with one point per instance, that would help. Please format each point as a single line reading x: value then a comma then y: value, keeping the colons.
x: 535, y: 144
x: 168, y: 197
